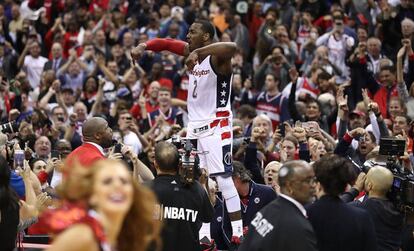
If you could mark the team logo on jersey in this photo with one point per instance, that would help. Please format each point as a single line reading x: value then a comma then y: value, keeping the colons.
x: 228, y: 159
x: 199, y: 73
x: 257, y: 200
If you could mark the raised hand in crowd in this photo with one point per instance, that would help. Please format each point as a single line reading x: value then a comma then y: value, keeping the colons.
x: 360, y: 182
x: 13, y: 114
x: 314, y: 131
x: 277, y: 136
x: 299, y: 133
x: 374, y: 107
x: 52, y: 164
x: 294, y: 75
x: 408, y: 46
x: 114, y: 155
x: 43, y: 202
x: 258, y: 135
x: 314, y: 149
x: 367, y: 100
x: 288, y: 128
x: 357, y: 133
x: 73, y: 55
x: 342, y: 101
x: 99, y: 59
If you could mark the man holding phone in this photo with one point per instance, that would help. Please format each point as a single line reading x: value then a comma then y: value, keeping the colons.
x: 126, y: 135
x: 33, y: 63
x: 338, y: 42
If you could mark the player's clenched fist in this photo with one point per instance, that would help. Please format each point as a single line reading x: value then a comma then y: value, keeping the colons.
x: 137, y: 52
x: 191, y: 60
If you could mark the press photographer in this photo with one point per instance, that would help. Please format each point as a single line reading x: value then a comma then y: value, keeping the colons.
x: 183, y: 207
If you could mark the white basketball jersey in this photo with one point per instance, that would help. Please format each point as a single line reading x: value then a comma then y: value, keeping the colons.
x: 208, y: 93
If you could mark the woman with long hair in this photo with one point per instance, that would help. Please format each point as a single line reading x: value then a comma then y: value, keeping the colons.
x: 9, y: 209
x: 119, y: 212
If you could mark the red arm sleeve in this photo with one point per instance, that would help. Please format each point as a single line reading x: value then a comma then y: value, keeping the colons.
x: 166, y: 44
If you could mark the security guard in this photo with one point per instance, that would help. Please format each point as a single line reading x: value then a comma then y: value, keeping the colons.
x: 253, y: 197
x: 282, y: 224
x: 182, y: 207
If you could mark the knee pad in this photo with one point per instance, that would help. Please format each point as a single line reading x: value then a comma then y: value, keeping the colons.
x: 230, y: 195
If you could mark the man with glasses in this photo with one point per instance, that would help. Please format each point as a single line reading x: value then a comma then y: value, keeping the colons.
x: 282, y: 224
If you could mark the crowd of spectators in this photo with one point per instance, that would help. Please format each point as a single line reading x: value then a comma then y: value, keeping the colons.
x: 310, y: 78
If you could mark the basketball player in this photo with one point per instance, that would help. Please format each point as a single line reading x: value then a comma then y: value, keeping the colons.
x: 208, y: 104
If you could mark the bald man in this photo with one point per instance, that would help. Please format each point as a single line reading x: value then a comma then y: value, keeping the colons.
x: 271, y: 172
x: 57, y: 60
x: 97, y: 135
x: 42, y: 147
x: 388, y: 221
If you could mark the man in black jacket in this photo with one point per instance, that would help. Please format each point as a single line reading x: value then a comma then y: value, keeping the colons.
x: 339, y: 226
x: 253, y: 197
x: 182, y: 207
x: 388, y: 221
x: 282, y: 224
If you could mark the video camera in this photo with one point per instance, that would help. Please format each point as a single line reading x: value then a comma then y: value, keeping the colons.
x: 402, y: 190
x: 9, y: 127
x: 189, y: 169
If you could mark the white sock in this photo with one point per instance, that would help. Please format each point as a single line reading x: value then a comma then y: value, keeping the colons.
x: 237, y: 227
x: 204, y: 231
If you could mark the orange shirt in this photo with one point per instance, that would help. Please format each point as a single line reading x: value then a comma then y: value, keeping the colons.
x: 219, y: 21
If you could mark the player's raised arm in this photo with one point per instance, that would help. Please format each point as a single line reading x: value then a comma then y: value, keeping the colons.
x: 160, y: 44
x: 222, y: 50
x: 221, y: 54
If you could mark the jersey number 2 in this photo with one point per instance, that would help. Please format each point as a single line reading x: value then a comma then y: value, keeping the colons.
x: 195, y: 89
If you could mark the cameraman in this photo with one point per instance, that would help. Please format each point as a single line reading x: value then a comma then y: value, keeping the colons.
x: 388, y: 221
x: 182, y: 207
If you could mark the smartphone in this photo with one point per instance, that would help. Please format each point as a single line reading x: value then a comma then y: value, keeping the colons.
x: 282, y: 129
x: 19, y: 158
x: 306, y: 126
x: 117, y: 148
x: 54, y: 154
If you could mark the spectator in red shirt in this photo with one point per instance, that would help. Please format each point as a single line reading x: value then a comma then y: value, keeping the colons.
x: 70, y: 39
x: 255, y: 22
x: 156, y: 75
x: 146, y: 105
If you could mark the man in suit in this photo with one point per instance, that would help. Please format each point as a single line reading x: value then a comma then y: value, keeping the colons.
x: 282, y: 224
x: 57, y: 59
x: 339, y: 226
x: 97, y: 135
